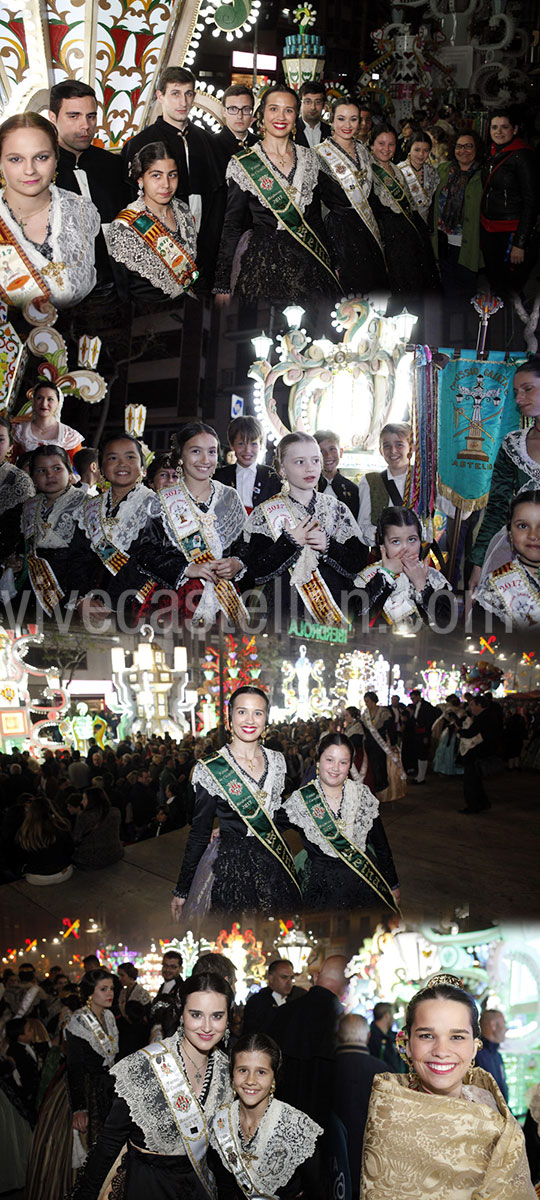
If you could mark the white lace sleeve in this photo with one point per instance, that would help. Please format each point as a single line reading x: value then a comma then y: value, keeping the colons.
x: 277, y: 770
x: 230, y: 513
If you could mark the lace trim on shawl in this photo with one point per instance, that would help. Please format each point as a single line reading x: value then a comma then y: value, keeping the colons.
x: 56, y: 530
x: 74, y: 225
x: 335, y: 519
x: 523, y: 606
x: 135, y: 1082
x: 133, y: 513
x: 534, y: 1105
x: 284, y: 1139
x: 422, y: 193
x: 222, y: 523
x: 301, y: 186
x: 274, y: 782
x: 358, y: 812
x: 15, y: 486
x: 363, y: 164
x: 66, y: 437
x: 515, y: 447
x: 78, y: 1028
x: 127, y: 247
x: 384, y: 196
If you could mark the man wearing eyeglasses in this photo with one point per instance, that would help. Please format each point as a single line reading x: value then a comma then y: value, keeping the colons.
x: 236, y: 134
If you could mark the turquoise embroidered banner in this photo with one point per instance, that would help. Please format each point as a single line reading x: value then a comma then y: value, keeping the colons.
x: 476, y: 410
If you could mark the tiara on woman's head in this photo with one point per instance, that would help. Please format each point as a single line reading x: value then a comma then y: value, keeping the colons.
x: 438, y: 980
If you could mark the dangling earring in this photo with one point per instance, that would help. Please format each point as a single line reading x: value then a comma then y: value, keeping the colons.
x: 89, y: 1003
x: 140, y: 187
x: 285, y: 487
x: 273, y: 1089
x: 180, y: 468
x: 226, y: 1037
x: 180, y: 1031
x: 2, y: 180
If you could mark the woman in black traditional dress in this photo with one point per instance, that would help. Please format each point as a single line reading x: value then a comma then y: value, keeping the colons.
x: 350, y: 861
x: 166, y: 1099
x: 15, y: 487
x: 412, y: 269
x: 273, y: 195
x: 91, y: 1049
x: 242, y: 786
x: 308, y: 533
x: 345, y: 184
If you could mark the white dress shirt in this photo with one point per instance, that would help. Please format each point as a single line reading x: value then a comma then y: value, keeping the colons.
x: 245, y: 482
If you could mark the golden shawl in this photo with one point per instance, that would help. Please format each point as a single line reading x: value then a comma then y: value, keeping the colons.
x: 423, y: 1147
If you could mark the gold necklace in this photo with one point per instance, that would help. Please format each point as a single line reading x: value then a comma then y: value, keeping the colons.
x: 198, y: 1070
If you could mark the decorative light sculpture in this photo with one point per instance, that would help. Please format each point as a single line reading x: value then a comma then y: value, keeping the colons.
x: 144, y: 688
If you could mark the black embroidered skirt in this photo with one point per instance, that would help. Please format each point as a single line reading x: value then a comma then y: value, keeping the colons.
x: 249, y: 878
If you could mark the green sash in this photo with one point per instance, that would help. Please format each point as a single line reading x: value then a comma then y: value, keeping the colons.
x: 395, y: 190
x: 246, y: 802
x: 346, y: 850
x: 276, y: 197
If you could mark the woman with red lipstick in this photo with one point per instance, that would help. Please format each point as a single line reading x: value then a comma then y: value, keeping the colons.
x: 166, y: 1097
x: 350, y: 863
x: 273, y: 195
x: 446, y: 1130
x: 47, y: 234
x: 241, y: 786
x: 303, y: 546
x: 511, y: 591
x: 43, y: 427
x: 264, y: 1147
x: 345, y: 182
x: 516, y: 465
x: 154, y: 238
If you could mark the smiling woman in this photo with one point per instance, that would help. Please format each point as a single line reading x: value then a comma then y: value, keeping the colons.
x: 44, y: 426
x: 241, y: 786
x: 470, y: 1146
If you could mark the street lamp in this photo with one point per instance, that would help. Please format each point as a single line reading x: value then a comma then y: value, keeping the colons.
x: 262, y: 345
x: 293, y: 315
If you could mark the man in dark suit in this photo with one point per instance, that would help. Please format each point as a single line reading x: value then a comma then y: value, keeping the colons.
x: 253, y: 481
x: 331, y: 479
x: 165, y: 1010
x: 425, y: 714
x: 262, y: 1006
x: 480, y: 745
x: 354, y: 1072
x: 310, y: 129
x: 190, y: 146
x: 237, y: 101
x: 381, y: 1042
x: 84, y: 168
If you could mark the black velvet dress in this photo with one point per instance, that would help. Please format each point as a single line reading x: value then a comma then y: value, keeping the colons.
x: 412, y: 269
x: 267, y: 262
x: 247, y: 876
x: 355, y: 254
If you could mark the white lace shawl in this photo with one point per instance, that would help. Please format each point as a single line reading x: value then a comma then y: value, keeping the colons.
x: 136, y: 1083
x: 15, y: 486
x: 515, y: 447
x: 132, y: 515
x: 383, y: 194
x: 301, y: 187
x: 358, y: 812
x: 78, y: 1027
x: 66, y: 437
x: 284, y: 1139
x: 364, y: 162
x: 126, y: 246
x: 74, y: 224
x: 222, y: 524
x: 273, y: 785
x: 422, y: 193
x: 55, y: 531
x: 335, y: 519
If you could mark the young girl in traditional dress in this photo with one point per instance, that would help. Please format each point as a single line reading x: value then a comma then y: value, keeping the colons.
x: 410, y: 261
x: 48, y: 520
x: 421, y: 177
x: 263, y: 1146
x: 350, y: 863
x: 403, y: 587
x: 303, y: 542
x: 512, y: 591
x: 242, y: 786
x: 166, y: 1099
x: 154, y: 237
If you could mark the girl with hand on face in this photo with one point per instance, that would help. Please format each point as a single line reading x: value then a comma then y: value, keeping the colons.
x: 241, y: 786
x: 166, y: 1097
x: 44, y: 427
x: 511, y: 591
x: 48, y: 234
x: 48, y: 522
x: 517, y: 465
x: 307, y: 539
x: 410, y: 262
x: 453, y: 1127
x: 263, y: 1147
x: 345, y: 183
x: 273, y: 195
x: 195, y: 525
x: 155, y: 236
x: 350, y: 863
x: 421, y: 177
x: 403, y: 587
